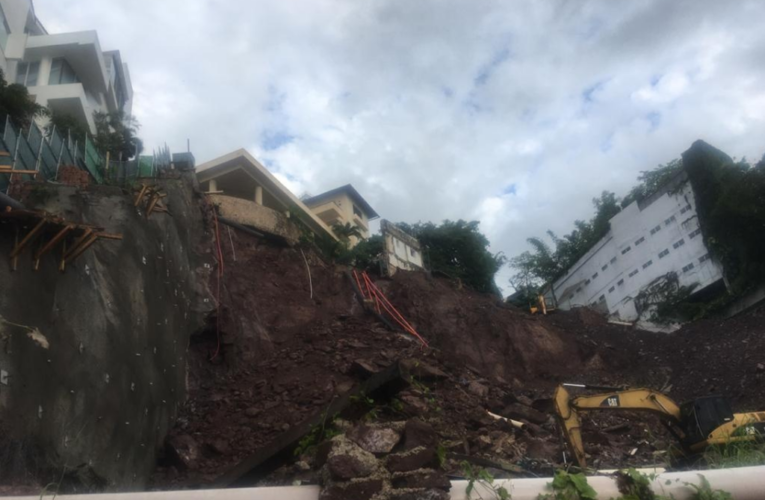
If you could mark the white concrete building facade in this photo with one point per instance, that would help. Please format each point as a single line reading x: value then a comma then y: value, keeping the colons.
x: 648, y: 239
x: 66, y: 72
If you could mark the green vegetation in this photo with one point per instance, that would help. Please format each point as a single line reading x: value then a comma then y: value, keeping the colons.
x: 116, y: 134
x: 458, y: 250
x: 546, y: 264
x: 634, y: 485
x: 730, y: 199
x: 705, y: 491
x: 66, y: 124
x: 484, y: 478
x: 568, y: 486
x: 735, y: 454
x: 651, y: 181
x: 318, y: 434
x: 18, y: 105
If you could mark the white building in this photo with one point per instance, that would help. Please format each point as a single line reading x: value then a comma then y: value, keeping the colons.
x: 648, y: 239
x: 66, y: 72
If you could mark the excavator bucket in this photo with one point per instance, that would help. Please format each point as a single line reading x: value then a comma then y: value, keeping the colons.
x: 570, y: 425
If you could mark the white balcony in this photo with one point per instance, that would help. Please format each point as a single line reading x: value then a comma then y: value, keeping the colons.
x: 69, y: 99
x: 81, y: 50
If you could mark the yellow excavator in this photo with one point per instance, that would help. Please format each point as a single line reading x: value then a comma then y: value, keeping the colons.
x: 696, y: 424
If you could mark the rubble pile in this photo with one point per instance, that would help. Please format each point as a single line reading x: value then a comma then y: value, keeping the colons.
x: 285, y: 348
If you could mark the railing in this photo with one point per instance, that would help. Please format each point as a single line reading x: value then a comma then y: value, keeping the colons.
x: 46, y: 153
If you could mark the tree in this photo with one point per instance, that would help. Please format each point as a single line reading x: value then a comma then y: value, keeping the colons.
x: 20, y: 107
x: 365, y: 255
x: 346, y: 231
x: 546, y: 264
x: 66, y: 124
x: 458, y: 249
x: 116, y: 134
x: 650, y: 181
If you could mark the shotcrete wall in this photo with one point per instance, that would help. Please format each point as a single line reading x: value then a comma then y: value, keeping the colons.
x: 104, y: 391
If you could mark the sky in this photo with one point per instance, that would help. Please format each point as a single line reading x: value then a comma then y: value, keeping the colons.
x: 513, y: 113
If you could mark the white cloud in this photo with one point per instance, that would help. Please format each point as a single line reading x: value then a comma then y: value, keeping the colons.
x: 437, y: 109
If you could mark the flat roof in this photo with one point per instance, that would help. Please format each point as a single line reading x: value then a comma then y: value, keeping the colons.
x: 241, y: 159
x: 350, y: 191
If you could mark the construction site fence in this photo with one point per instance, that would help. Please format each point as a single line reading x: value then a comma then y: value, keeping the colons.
x: 46, y: 151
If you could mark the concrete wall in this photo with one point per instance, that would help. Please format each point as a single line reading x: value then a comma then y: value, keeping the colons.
x: 257, y: 216
x: 401, y: 250
x: 117, y: 323
x: 628, y: 258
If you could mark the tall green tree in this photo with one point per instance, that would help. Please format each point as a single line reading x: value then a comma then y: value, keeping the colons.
x: 650, y: 181
x: 458, y: 249
x: 20, y: 107
x: 116, y: 134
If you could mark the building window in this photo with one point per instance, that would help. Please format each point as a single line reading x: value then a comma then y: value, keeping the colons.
x: 647, y: 264
x: 5, y: 31
x: 670, y: 221
x: 633, y: 273
x: 586, y: 282
x: 26, y: 73
x: 678, y: 244
x: 412, y: 252
x: 602, y: 298
x: 626, y: 250
x: 695, y: 233
x: 613, y: 260
x: 664, y: 253
x: 594, y: 276
x: 704, y: 258
x: 579, y: 289
x: 61, y: 73
x: 611, y: 290
x: 688, y: 267
x: 620, y: 283
x: 639, y: 241
x: 604, y: 267
x: 656, y: 230
x: 685, y: 209
x: 357, y: 212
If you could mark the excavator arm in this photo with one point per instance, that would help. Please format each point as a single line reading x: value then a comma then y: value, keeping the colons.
x: 642, y: 400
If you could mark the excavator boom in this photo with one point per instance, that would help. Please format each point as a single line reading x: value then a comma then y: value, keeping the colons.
x: 643, y: 400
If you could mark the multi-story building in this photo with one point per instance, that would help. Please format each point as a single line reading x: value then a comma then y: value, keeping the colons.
x: 648, y: 240
x: 67, y: 72
x: 343, y: 205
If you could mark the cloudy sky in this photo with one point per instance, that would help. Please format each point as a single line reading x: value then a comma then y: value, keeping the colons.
x: 515, y: 113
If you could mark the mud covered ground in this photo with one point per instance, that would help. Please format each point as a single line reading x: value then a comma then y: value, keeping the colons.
x: 288, y: 348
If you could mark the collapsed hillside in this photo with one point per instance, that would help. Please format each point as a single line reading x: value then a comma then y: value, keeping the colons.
x: 291, y: 345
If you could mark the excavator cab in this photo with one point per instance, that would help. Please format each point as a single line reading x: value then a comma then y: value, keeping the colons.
x: 699, y: 418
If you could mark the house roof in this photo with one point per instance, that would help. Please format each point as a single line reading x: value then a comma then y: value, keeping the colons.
x: 242, y: 160
x: 350, y: 191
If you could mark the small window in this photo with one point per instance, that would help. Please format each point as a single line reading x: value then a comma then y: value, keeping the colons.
x: 695, y: 233
x: 639, y: 241
x: 613, y: 260
x: 685, y: 209
x: 688, y: 267
x: 626, y: 250
x: 663, y: 253
x: 586, y: 282
x: 678, y: 244
x: 670, y: 221
x: 656, y: 230
x: 647, y: 264
x: 357, y: 212
x: 633, y: 273
x: 602, y: 298
x: 604, y: 267
x: 620, y: 283
x: 26, y: 73
x: 579, y: 289
x: 412, y: 252
x: 594, y: 276
x: 704, y: 258
x: 611, y: 290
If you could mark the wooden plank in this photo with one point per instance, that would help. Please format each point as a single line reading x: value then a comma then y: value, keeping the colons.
x: 22, y: 172
x: 52, y: 243
x: 85, y: 245
x: 17, y: 250
x: 109, y: 236
x: 78, y: 242
x: 140, y: 194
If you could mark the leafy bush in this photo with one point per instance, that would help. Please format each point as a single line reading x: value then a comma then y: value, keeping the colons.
x: 20, y: 107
